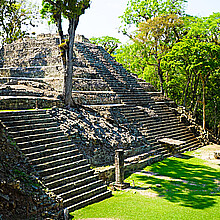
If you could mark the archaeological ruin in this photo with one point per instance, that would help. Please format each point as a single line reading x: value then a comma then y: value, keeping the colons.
x: 114, y: 109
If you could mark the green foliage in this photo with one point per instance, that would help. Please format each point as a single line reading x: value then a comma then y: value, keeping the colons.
x: 131, y: 57
x: 109, y: 43
x: 138, y: 11
x: 204, y: 28
x: 15, y: 16
x: 181, y: 50
x: 68, y: 8
x: 190, y: 64
x: 125, y: 55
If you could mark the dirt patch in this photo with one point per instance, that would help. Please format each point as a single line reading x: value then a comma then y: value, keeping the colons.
x: 207, y: 153
x: 148, y: 193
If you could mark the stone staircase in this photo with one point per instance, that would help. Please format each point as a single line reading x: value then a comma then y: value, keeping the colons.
x: 56, y: 159
x: 152, y: 118
x: 99, y: 82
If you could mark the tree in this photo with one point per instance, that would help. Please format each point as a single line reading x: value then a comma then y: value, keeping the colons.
x: 138, y: 11
x: 15, y: 16
x: 70, y: 9
x: 131, y: 57
x: 158, y: 23
x: 157, y: 37
x: 198, y: 61
x: 213, y: 103
x: 204, y: 28
x: 109, y: 43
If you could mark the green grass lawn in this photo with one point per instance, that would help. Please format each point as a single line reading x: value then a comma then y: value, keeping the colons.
x: 176, y: 188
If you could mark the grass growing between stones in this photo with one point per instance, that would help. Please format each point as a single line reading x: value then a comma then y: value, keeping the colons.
x: 182, y: 187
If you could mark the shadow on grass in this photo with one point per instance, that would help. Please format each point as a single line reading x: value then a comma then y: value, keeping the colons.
x: 191, y: 185
x: 183, y: 156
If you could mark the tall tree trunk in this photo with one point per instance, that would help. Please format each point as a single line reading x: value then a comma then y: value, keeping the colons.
x: 67, y: 90
x: 186, y: 91
x: 196, y: 106
x: 160, y: 75
x: 167, y: 79
x: 63, y: 51
x: 59, y: 27
x: 194, y: 99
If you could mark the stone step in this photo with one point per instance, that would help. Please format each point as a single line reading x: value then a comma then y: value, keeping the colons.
x: 67, y: 173
x: 34, y: 131
x: 49, y: 164
x: 69, y: 179
x: 184, y: 137
x: 45, y: 135
x: 13, y: 92
x: 153, y: 151
x: 190, y: 147
x: 127, y: 110
x: 56, y: 150
x: 174, y: 132
x: 165, y: 114
x: 23, y: 128
x: 155, y: 120
x: 160, y: 107
x: 133, y: 94
x: 16, y: 118
x: 90, y: 200
x: 52, y: 145
x: 76, y: 184
x: 132, y: 97
x: 28, y: 122
x: 136, y: 102
x: 190, y: 141
x: 45, y: 141
x: 80, y: 190
x: 84, y: 196
x: 137, y: 118
x: 62, y: 168
x: 53, y: 157
x: 134, y: 113
x: 164, y: 125
x: 5, y: 114
x: 148, y: 161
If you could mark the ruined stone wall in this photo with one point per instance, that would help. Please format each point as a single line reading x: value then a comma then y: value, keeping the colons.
x: 96, y: 98
x: 97, y: 137
x: 32, y: 52
x: 28, y: 103
x: 107, y: 174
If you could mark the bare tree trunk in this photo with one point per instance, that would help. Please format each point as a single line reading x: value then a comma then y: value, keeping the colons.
x: 160, y: 75
x: 196, y: 106
x: 63, y: 51
x: 186, y: 91
x: 167, y: 77
x: 67, y: 90
x: 59, y: 27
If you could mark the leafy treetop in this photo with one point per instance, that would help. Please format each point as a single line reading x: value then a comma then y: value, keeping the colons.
x: 109, y: 43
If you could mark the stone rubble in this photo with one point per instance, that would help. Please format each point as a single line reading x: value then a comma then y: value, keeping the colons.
x: 97, y: 137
